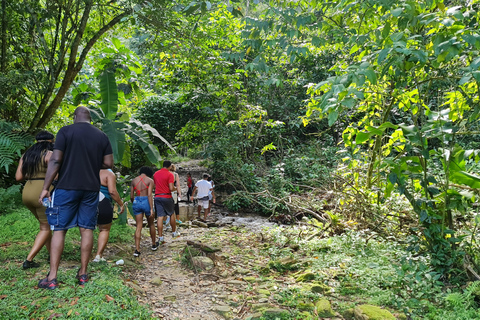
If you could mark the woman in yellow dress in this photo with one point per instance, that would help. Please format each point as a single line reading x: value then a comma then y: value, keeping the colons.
x: 32, y: 167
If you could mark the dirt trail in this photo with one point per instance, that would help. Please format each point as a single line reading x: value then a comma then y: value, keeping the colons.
x: 177, y: 292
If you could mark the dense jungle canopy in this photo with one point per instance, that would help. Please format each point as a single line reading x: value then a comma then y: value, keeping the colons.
x: 374, y: 100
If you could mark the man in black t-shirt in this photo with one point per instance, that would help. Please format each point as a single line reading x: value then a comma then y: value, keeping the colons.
x: 80, y: 151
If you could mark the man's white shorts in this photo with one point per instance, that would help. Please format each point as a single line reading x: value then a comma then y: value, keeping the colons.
x: 203, y: 203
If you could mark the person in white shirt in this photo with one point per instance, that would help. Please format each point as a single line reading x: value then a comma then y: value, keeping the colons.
x: 203, y: 188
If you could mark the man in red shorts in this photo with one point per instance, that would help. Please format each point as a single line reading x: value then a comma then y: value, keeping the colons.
x: 163, y: 202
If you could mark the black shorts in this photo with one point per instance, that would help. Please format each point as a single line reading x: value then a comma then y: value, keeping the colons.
x: 105, y: 211
x: 164, y: 206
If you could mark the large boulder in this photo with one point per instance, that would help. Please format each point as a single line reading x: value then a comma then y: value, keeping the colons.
x: 203, y: 263
x: 324, y: 309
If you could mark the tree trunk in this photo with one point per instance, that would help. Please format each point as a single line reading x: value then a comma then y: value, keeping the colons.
x: 42, y: 118
x: 4, y: 36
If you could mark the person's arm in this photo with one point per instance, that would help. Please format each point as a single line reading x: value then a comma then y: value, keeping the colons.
x: 107, y: 161
x: 19, y: 175
x: 53, y: 167
x: 112, y: 189
x: 150, y: 198
x: 132, y: 195
x: 179, y: 190
x: 213, y: 195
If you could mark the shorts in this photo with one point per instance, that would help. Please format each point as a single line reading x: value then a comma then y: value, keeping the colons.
x: 105, y: 211
x: 164, y: 206
x: 73, y: 208
x: 204, y: 203
x: 141, y: 206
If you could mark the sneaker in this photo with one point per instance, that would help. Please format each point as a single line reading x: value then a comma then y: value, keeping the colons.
x: 137, y: 253
x: 82, y: 279
x: 50, y: 285
x: 155, y: 246
x: 175, y: 234
x: 99, y: 259
x: 30, y: 264
x: 161, y: 240
x: 179, y: 221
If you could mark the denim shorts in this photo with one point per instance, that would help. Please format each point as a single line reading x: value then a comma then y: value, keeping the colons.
x: 164, y: 206
x: 140, y: 206
x: 73, y: 208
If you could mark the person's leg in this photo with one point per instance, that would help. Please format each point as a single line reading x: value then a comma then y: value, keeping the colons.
x: 56, y: 250
x: 138, y: 230
x: 199, y: 209
x: 103, y: 237
x: 85, y: 248
x: 87, y: 221
x: 43, y: 239
x: 151, y: 225
x: 63, y: 217
x: 173, y: 223
x: 205, y: 213
x: 160, y: 226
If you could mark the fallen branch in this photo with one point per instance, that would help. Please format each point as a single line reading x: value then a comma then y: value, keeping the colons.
x: 203, y: 247
x: 294, y: 206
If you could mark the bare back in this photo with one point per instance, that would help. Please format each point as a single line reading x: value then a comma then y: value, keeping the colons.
x: 141, y: 185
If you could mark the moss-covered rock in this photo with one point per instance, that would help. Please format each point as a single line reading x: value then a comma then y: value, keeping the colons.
x: 263, y: 291
x: 348, y: 314
x: 203, y: 263
x: 156, y: 281
x: 305, y: 306
x: 250, y: 279
x: 306, y: 276
x: 369, y: 312
x: 224, y: 311
x: 261, y: 306
x: 324, y: 308
x: 316, y: 287
x: 287, y: 263
x: 275, y: 312
x: 254, y: 316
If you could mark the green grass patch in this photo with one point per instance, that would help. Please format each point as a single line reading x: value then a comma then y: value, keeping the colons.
x: 104, y: 297
x: 376, y: 271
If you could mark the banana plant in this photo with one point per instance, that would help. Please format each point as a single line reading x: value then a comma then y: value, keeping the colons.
x: 119, y: 61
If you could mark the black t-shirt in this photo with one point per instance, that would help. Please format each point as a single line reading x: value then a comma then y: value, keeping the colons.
x: 84, y: 147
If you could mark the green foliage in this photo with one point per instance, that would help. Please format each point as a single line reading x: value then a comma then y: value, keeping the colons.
x: 168, y: 115
x: 10, y: 197
x: 406, y: 82
x: 12, y: 142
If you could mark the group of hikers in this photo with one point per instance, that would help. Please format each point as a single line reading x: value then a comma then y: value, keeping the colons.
x: 70, y: 184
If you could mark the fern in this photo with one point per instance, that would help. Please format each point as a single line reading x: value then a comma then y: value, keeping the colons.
x: 12, y: 142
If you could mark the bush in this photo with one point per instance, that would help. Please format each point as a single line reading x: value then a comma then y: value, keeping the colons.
x: 10, y: 198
